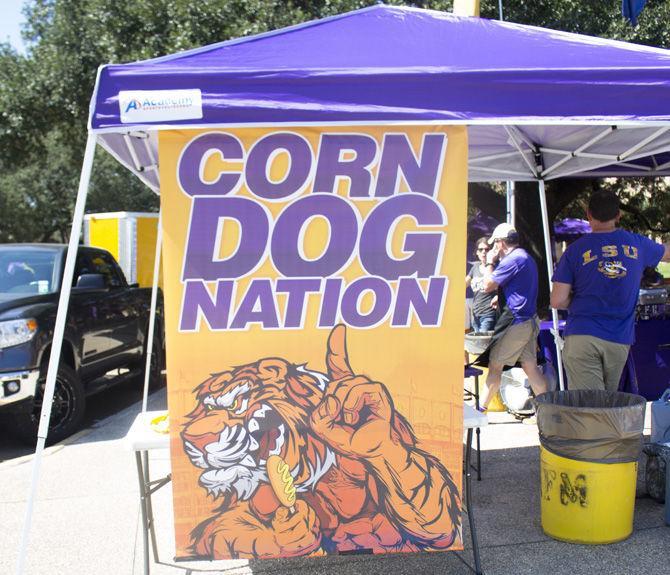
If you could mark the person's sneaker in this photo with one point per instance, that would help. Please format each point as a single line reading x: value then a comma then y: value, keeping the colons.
x: 532, y: 420
x: 481, y: 409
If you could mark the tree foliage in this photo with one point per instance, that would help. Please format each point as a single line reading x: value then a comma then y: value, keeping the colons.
x: 45, y: 94
x: 646, y: 201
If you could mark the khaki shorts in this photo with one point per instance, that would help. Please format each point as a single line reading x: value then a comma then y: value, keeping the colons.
x: 468, y: 313
x: 593, y: 363
x: 518, y: 343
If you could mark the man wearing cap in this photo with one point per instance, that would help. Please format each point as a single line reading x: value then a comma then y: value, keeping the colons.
x: 516, y: 274
x: 598, y: 281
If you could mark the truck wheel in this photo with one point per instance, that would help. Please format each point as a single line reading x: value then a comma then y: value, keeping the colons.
x: 67, y: 411
x: 156, y: 365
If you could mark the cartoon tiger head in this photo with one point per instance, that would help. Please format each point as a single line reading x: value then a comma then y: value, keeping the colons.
x: 245, y: 415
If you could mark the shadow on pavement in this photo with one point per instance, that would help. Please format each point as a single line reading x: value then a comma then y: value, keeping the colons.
x: 108, y: 416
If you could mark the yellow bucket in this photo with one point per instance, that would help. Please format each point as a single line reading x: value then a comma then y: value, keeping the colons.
x: 496, y: 403
x: 585, y: 502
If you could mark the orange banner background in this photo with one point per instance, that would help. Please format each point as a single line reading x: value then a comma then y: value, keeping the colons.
x: 422, y: 367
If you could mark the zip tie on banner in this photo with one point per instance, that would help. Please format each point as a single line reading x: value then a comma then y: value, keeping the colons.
x: 560, y: 342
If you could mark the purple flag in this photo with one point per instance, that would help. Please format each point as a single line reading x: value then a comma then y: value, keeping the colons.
x: 631, y: 9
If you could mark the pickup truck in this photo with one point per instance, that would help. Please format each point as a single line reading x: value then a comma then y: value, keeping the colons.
x: 104, y: 342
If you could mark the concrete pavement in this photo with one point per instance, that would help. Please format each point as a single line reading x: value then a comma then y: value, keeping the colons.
x: 86, y: 517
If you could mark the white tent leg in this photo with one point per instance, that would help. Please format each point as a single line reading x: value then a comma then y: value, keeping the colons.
x: 152, y: 314
x: 57, y: 342
x: 511, y: 215
x: 550, y: 270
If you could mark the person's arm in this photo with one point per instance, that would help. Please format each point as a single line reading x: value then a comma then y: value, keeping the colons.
x: 666, y: 253
x: 561, y: 295
x: 471, y: 276
x: 652, y: 252
x: 490, y: 285
x: 562, y: 281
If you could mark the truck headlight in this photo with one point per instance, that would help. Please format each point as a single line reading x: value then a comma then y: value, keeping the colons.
x: 16, y: 331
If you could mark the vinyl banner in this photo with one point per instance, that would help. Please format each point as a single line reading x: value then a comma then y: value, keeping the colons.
x: 314, y: 299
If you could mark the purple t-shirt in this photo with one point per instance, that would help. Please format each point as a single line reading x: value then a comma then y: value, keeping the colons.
x: 517, y: 274
x: 605, y: 270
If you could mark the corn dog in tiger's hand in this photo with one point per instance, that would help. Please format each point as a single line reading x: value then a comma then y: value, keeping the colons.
x: 281, y: 481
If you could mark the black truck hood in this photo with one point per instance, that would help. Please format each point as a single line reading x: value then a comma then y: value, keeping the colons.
x: 12, y: 306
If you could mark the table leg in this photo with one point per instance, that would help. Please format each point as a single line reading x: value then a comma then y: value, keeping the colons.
x: 468, y: 503
x: 479, y: 457
x: 143, y: 508
x: 150, y: 509
x: 479, y: 446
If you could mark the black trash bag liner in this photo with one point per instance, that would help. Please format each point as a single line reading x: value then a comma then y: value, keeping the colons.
x: 591, y: 425
x: 658, y: 454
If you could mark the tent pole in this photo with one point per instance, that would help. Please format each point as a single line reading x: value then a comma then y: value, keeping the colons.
x: 550, y: 270
x: 56, y: 345
x: 511, y: 212
x: 152, y: 313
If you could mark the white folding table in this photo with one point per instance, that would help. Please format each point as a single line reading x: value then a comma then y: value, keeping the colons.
x: 142, y: 438
x: 472, y: 419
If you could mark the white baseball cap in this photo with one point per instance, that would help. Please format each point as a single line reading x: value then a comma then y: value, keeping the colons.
x: 502, y: 232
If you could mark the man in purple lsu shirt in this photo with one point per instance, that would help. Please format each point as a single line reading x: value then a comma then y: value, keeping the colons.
x: 597, y: 280
x: 516, y: 274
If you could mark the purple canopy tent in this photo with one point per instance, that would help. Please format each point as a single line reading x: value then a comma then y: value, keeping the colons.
x: 350, y: 67
x: 569, y: 229
x: 481, y: 225
x: 539, y: 104
x: 565, y: 230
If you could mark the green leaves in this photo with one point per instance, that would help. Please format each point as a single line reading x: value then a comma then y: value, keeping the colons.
x: 590, y: 17
x: 44, y: 95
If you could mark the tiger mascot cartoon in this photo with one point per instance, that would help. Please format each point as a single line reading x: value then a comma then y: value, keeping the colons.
x: 361, y: 481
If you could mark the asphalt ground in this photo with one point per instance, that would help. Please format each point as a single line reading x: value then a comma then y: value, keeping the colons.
x: 86, y: 518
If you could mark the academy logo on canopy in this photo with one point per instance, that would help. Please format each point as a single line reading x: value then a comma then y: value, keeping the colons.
x: 137, y: 106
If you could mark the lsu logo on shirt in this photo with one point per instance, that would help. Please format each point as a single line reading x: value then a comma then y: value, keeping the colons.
x: 611, y: 268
